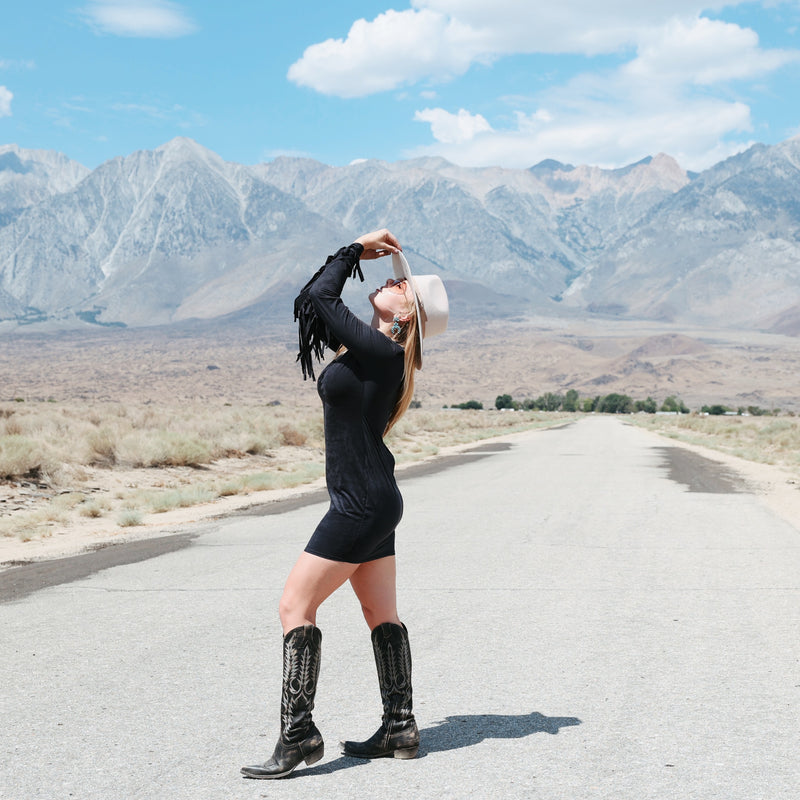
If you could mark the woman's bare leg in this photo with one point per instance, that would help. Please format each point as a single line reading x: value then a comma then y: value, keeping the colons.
x: 311, y: 581
x: 398, y: 735
x: 375, y: 585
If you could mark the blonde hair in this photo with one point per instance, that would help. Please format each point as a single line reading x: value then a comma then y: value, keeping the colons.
x: 409, y: 339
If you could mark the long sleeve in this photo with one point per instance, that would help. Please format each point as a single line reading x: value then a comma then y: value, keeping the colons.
x: 346, y: 327
x: 312, y: 334
x: 328, y: 321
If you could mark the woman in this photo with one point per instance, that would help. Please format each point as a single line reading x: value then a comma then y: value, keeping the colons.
x: 364, y: 391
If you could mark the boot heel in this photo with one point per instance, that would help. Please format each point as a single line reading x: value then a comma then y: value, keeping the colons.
x: 312, y: 758
x: 406, y: 752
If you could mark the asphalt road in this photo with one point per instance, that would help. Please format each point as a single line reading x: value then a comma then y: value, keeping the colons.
x: 592, y: 615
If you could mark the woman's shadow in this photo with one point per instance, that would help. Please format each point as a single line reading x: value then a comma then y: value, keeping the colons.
x: 465, y: 730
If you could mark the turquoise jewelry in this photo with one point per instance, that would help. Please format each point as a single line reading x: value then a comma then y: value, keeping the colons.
x: 396, y: 325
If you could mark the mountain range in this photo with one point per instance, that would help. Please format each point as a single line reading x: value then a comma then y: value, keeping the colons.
x: 177, y: 233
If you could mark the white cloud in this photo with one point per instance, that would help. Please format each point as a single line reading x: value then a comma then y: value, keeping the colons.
x: 672, y: 94
x: 704, y: 52
x: 159, y: 19
x: 397, y: 47
x: 453, y: 128
x: 5, y: 102
x: 661, y: 100
x: 692, y: 133
x: 441, y: 39
x: 608, y: 119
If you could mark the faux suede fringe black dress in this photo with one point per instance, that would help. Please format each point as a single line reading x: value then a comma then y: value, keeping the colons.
x: 359, y: 390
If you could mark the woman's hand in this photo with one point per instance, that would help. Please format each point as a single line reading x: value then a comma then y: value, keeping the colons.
x: 378, y: 243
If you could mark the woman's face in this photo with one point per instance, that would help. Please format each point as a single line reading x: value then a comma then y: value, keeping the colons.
x: 394, y: 298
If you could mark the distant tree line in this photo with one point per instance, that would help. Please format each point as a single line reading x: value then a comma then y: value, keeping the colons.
x: 470, y: 404
x: 602, y: 404
x: 753, y: 411
x: 613, y: 403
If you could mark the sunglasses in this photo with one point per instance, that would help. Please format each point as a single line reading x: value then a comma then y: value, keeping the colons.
x: 393, y: 283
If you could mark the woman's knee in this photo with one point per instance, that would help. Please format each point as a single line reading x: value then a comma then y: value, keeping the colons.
x: 292, y: 607
x: 375, y: 616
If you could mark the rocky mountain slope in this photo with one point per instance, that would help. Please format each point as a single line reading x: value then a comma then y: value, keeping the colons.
x: 726, y: 248
x: 31, y: 176
x: 178, y: 233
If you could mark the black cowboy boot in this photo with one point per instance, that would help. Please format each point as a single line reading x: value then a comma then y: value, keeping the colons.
x: 299, y: 740
x: 398, y: 736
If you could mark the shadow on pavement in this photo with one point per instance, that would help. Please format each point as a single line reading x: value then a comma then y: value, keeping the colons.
x: 343, y: 762
x: 469, y: 729
x: 455, y: 732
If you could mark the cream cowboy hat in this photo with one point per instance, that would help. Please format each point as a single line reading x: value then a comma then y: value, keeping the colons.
x: 430, y: 299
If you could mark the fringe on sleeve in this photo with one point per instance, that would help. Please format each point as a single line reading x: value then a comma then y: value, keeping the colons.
x: 312, y: 333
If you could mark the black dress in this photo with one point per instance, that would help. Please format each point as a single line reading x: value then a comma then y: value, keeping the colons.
x: 359, y: 390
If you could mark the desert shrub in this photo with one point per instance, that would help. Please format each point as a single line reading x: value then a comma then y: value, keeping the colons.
x: 128, y: 517
x: 92, y: 509
x: 102, y: 445
x: 183, y: 450
x: 20, y: 456
x: 161, y: 448
x: 245, y: 436
x: 292, y: 437
x: 258, y: 445
x: 26, y: 526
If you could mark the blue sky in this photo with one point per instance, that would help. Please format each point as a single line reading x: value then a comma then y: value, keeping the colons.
x: 480, y: 82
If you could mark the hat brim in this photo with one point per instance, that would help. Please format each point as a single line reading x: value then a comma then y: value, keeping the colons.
x: 403, y: 271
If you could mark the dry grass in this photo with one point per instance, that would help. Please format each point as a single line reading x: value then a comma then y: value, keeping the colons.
x: 768, y: 440
x: 47, y: 438
x: 422, y: 433
x: 24, y: 455
x: 124, y: 462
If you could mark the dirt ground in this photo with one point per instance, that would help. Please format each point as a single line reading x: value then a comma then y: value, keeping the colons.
x: 480, y: 360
